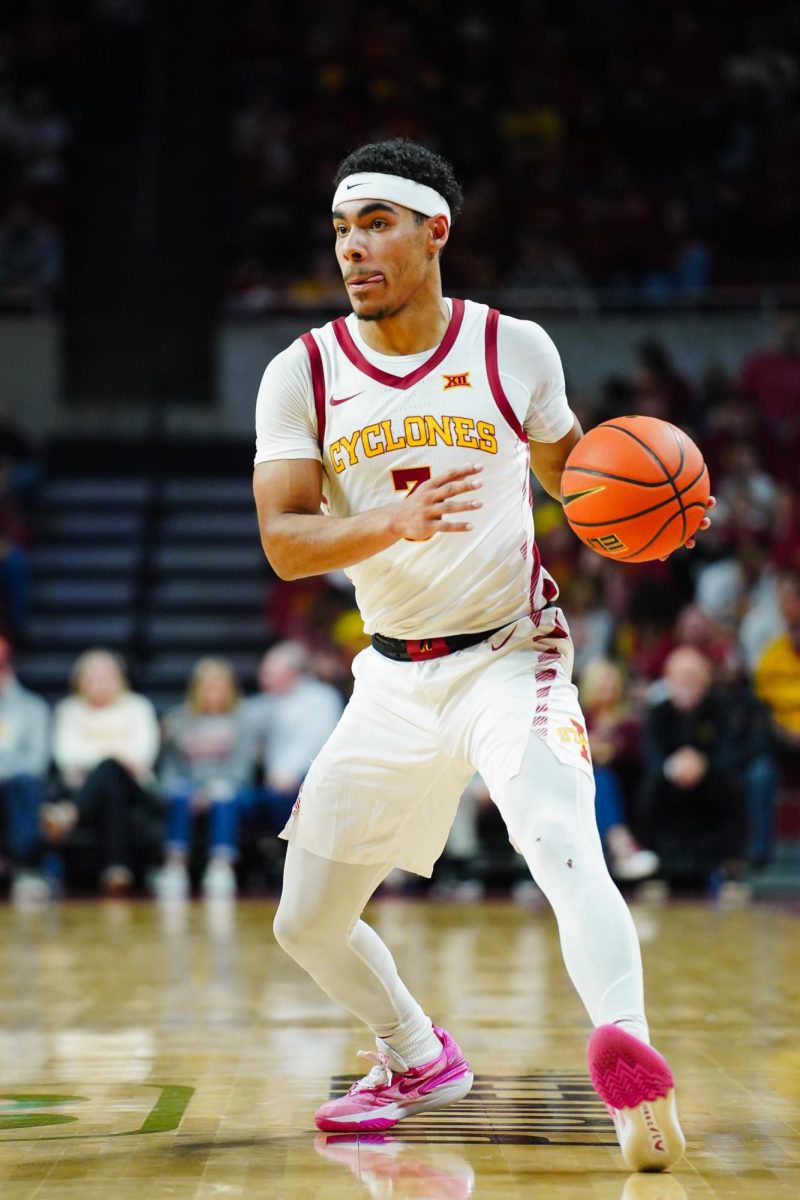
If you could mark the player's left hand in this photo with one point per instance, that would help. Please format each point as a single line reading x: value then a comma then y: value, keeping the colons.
x: 704, y: 524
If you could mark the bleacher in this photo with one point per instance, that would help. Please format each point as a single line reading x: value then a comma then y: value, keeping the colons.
x: 162, y: 568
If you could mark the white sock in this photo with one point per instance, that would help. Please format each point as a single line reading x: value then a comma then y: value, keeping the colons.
x: 414, y: 1042
x: 636, y: 1027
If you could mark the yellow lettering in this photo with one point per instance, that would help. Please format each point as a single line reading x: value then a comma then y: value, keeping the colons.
x: 488, y: 437
x: 392, y: 443
x: 415, y: 431
x: 350, y: 446
x: 335, y: 450
x: 442, y: 432
x: 371, y: 449
x: 464, y: 428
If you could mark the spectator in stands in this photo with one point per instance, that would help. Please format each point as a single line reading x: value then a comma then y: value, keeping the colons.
x: 693, y: 789
x: 105, y: 743
x: 591, y: 624
x: 24, y: 758
x: 749, y: 726
x: 777, y: 678
x: 30, y: 261
x: 729, y: 588
x: 287, y: 725
x: 772, y: 377
x: 659, y: 387
x: 205, y: 769
x: 747, y: 496
x: 614, y: 735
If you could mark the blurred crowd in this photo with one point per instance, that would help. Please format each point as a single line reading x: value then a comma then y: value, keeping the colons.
x: 642, y: 150
x: 688, y: 670
x: 40, y: 43
x: 635, y: 151
x: 101, y: 793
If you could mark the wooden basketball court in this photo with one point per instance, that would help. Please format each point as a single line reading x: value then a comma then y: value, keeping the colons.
x: 156, y: 1053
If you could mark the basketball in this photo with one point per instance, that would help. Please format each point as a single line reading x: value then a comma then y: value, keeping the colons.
x: 635, y: 489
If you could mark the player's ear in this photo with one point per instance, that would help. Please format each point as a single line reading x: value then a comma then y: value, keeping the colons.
x: 438, y: 232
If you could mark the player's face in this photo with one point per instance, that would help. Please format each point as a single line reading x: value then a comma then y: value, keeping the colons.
x: 383, y: 254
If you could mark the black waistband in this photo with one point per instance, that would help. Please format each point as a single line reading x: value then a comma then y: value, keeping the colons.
x: 422, y: 649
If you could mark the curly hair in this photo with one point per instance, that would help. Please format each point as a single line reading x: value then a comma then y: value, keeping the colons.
x: 403, y: 157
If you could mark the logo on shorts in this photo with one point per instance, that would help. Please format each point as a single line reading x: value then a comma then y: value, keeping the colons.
x: 296, y: 805
x: 507, y: 638
x: 574, y: 734
x: 453, y: 381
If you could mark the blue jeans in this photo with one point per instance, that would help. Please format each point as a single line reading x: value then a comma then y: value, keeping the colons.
x: 273, y: 806
x: 761, y: 785
x: 22, y: 796
x: 223, y: 822
x: 608, y: 804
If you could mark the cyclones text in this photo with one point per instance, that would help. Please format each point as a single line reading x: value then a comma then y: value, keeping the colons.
x: 385, y: 437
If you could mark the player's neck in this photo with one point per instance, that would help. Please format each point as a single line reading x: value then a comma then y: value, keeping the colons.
x: 419, y: 326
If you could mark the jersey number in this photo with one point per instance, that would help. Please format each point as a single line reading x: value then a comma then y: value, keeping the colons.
x: 408, y: 479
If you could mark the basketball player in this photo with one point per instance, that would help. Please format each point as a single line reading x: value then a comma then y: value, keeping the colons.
x: 412, y: 425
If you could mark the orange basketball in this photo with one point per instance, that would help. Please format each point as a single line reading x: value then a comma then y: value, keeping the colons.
x: 635, y: 489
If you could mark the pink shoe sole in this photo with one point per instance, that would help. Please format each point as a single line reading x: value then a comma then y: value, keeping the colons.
x: 638, y: 1089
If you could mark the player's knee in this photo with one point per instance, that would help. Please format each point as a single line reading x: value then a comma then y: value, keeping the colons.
x: 550, y: 838
x: 298, y: 933
x: 554, y: 847
x: 289, y: 931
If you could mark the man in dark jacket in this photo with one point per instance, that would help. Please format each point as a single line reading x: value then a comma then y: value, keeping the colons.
x: 693, y: 792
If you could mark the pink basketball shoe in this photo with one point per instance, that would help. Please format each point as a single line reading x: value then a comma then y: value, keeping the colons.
x: 638, y: 1089
x: 392, y: 1090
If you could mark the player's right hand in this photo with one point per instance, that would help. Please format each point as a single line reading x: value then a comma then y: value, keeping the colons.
x: 422, y: 513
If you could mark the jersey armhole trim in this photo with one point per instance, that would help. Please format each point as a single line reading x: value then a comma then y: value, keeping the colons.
x: 317, y: 383
x: 493, y: 375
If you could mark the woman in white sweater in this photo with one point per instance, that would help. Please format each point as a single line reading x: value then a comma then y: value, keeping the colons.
x: 105, y: 743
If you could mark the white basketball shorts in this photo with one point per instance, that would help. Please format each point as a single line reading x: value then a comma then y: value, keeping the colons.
x: 385, y: 787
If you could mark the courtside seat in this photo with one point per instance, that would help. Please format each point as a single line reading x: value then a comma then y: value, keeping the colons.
x: 81, y: 491
x: 77, y: 558
x: 217, y: 594
x: 60, y: 593
x: 209, y: 633
x: 80, y: 631
x: 215, y: 559
x: 211, y: 493
x: 202, y: 525
x: 89, y: 524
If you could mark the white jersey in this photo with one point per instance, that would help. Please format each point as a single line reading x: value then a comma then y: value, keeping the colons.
x: 381, y: 425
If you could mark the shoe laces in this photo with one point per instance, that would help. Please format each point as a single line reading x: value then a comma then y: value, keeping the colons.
x: 383, y: 1071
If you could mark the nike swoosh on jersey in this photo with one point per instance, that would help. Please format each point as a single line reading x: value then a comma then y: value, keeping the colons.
x: 505, y: 639
x: 344, y: 399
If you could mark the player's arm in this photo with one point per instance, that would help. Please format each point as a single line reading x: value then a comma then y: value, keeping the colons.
x: 548, y: 459
x: 299, y: 540
x: 533, y: 379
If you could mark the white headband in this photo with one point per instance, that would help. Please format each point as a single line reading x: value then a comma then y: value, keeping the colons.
x: 373, y: 186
